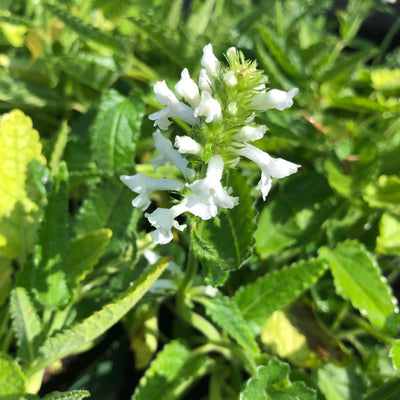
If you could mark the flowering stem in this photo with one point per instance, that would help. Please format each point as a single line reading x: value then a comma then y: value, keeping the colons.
x: 190, y: 271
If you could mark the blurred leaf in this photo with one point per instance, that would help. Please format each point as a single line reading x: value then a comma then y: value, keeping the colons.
x: 388, y: 241
x: 357, y: 277
x: 26, y: 324
x: 227, y: 246
x: 73, y: 340
x: 84, y: 253
x: 21, y: 186
x: 6, y: 272
x: 226, y: 314
x: 12, y: 380
x: 384, y: 194
x: 272, y: 383
x: 338, y: 383
x: 48, y: 276
x: 386, y: 79
x: 173, y: 370
x: 286, y: 341
x: 257, y: 301
x: 395, y: 354
x: 389, y: 391
x: 115, y: 131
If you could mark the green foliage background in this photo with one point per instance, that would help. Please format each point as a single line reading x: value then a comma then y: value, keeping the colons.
x: 294, y: 298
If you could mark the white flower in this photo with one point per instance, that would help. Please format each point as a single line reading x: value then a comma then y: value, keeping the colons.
x: 270, y: 167
x: 188, y: 89
x: 209, y: 107
x: 169, y: 154
x: 274, y: 98
x: 208, y: 193
x: 174, y: 108
x: 204, y: 81
x: 163, y: 219
x: 145, y: 186
x: 231, y: 52
x: 250, y: 133
x: 186, y: 145
x: 230, y: 78
x: 209, y: 61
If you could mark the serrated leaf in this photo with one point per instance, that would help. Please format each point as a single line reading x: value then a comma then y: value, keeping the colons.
x: 48, y: 276
x: 72, y: 395
x: 173, y: 370
x: 26, y: 324
x: 21, y: 188
x: 230, y: 244
x: 395, y: 354
x: 384, y: 194
x: 115, y: 131
x: 272, y: 383
x: 73, y: 340
x: 226, y: 314
x: 107, y: 207
x: 12, y: 380
x: 357, y: 278
x: 83, y: 254
x: 257, y: 301
x: 388, y: 241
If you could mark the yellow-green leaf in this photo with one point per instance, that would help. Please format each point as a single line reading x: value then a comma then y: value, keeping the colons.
x: 21, y: 187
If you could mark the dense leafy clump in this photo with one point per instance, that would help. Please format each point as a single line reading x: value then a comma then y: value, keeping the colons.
x: 216, y: 269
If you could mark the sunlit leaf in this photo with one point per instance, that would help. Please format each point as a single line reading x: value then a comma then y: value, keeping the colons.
x: 12, y: 379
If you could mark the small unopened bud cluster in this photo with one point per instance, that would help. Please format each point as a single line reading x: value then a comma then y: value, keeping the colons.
x: 219, y: 110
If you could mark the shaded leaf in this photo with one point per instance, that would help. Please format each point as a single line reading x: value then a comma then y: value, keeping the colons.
x: 72, y: 395
x: 384, y: 194
x: 357, y: 277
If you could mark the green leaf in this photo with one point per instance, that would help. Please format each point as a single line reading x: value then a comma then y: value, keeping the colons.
x: 173, y: 370
x: 72, y: 395
x: 115, y: 131
x: 225, y: 313
x: 384, y: 194
x: 357, y: 278
x: 48, y: 276
x: 388, y: 241
x: 395, y: 354
x: 12, y: 380
x: 338, y: 383
x: 73, y: 340
x: 389, y: 391
x: 108, y: 206
x: 84, y: 253
x: 257, y: 301
x: 6, y: 272
x: 21, y: 186
x: 228, y: 246
x: 386, y: 79
x: 272, y: 383
x: 26, y: 324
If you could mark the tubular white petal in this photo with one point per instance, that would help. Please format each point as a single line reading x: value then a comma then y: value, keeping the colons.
x: 274, y: 98
x: 188, y: 89
x: 208, y: 107
x: 186, y: 145
x: 169, y: 154
x: 204, y: 81
x: 250, y: 133
x: 230, y: 78
x: 209, y: 61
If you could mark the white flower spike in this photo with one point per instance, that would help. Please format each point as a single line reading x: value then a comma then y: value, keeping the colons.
x: 274, y: 98
x: 169, y: 154
x: 145, y: 186
x: 208, y: 193
x: 174, y: 108
x: 163, y: 219
x: 270, y: 167
x: 188, y: 89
